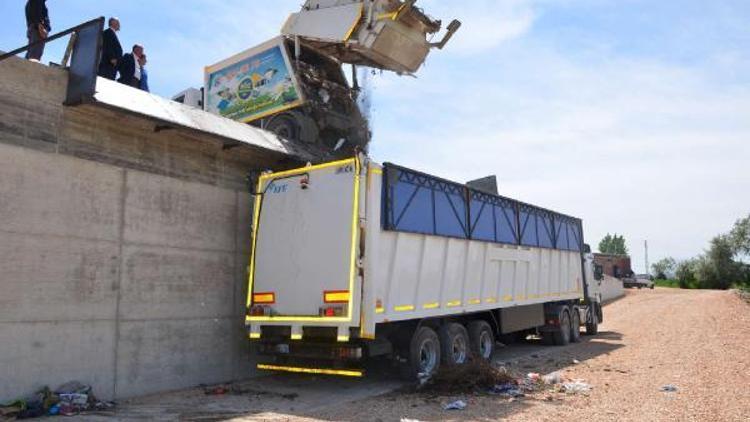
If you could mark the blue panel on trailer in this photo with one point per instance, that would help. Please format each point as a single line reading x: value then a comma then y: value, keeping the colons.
x: 482, y: 221
x: 450, y: 214
x: 528, y: 227
x: 506, y: 222
x: 419, y: 203
x: 561, y: 230
x: 412, y: 207
x: 545, y: 229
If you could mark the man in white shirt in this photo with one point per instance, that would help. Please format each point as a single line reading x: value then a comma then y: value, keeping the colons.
x: 130, y: 69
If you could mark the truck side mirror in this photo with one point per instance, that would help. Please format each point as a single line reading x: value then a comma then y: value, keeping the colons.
x: 598, y: 272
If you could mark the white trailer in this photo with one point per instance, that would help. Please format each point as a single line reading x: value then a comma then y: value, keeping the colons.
x: 352, y: 260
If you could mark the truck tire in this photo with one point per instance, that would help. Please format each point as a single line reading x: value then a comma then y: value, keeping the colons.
x: 294, y: 126
x: 481, y: 340
x: 561, y: 335
x: 424, y: 353
x: 592, y: 322
x: 454, y: 344
x: 575, y: 326
x: 284, y: 125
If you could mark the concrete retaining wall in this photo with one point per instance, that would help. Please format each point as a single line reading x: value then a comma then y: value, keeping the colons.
x: 611, y: 289
x: 123, y: 251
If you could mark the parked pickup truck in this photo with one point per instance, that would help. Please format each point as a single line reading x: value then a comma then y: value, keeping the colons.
x: 353, y: 260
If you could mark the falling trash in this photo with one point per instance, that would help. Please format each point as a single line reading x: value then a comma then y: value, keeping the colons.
x: 576, y: 387
x: 669, y: 388
x: 456, y: 405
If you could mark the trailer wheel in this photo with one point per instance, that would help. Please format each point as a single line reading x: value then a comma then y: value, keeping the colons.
x: 424, y: 353
x: 575, y: 326
x: 481, y: 339
x: 454, y: 344
x: 592, y: 322
x: 561, y: 335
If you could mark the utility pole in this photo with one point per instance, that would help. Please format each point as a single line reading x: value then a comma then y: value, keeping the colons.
x: 645, y: 246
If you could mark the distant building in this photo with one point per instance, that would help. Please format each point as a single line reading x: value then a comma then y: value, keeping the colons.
x: 191, y: 96
x: 614, y: 265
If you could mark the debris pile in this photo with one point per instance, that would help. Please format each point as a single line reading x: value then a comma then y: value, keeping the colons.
x: 69, y: 399
x: 477, y: 375
x: 480, y: 376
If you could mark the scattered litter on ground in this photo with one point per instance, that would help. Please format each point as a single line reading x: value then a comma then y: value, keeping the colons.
x: 409, y: 420
x: 576, y: 387
x: 552, y: 378
x: 508, y: 389
x: 69, y: 399
x: 218, y: 390
x: 456, y: 405
x: 475, y: 376
x: 239, y: 389
x: 423, y: 379
x: 669, y: 388
x: 576, y: 361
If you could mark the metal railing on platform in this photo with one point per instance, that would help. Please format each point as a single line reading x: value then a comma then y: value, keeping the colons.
x: 83, y: 51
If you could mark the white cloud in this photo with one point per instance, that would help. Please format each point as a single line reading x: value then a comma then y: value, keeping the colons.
x: 486, y: 23
x: 653, y: 150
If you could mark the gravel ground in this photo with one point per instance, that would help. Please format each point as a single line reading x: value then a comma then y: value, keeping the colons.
x: 698, y: 341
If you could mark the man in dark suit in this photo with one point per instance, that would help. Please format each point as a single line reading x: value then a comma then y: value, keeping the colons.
x: 130, y: 68
x: 111, y: 51
x: 37, y: 27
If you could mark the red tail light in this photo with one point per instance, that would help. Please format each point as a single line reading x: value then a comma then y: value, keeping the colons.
x: 333, y: 311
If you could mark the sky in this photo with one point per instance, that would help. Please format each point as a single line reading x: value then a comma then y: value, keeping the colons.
x: 633, y: 115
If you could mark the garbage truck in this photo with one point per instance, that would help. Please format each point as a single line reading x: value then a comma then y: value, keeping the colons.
x: 352, y: 261
x: 294, y: 85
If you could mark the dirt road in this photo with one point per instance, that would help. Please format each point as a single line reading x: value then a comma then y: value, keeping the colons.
x: 698, y: 341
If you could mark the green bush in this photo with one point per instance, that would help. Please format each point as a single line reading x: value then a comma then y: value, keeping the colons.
x: 685, y: 274
x: 671, y: 283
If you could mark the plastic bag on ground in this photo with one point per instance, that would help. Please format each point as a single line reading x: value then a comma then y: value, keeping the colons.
x: 507, y: 389
x: 575, y: 387
x: 456, y: 405
x: 552, y: 378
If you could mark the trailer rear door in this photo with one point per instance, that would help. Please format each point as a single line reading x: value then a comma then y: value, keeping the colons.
x: 304, y: 248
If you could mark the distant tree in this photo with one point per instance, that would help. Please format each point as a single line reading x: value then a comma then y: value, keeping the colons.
x: 663, y: 268
x: 613, y: 245
x: 717, y: 269
x: 740, y: 236
x: 685, y: 273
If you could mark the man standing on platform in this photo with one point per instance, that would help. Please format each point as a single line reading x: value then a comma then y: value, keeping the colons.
x: 37, y: 27
x: 111, y: 51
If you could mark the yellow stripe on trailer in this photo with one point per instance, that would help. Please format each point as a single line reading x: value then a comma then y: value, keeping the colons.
x: 404, y: 308
x: 319, y: 371
x: 354, y: 232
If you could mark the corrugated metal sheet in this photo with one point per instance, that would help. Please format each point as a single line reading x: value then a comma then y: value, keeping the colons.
x: 175, y: 115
